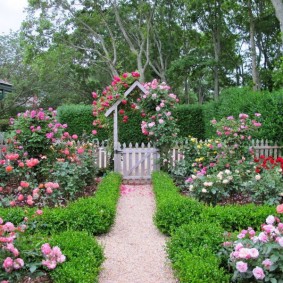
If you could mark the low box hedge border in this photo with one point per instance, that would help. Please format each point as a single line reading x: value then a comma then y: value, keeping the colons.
x: 72, y: 228
x: 197, y: 230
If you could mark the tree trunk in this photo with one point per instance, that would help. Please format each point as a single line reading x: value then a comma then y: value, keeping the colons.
x: 256, y: 83
x: 217, y: 49
x: 187, y: 95
x: 278, y: 6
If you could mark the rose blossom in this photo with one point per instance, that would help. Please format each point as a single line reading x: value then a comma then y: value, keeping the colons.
x: 270, y: 219
x: 258, y: 273
x: 46, y: 249
x: 254, y: 253
x: 279, y: 208
x: 18, y: 263
x: 242, y: 266
x: 267, y: 263
x: 8, y: 264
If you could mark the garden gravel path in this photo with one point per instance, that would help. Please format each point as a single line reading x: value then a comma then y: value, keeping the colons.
x: 134, y: 248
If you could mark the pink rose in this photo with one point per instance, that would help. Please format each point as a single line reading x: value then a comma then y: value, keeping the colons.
x: 18, y: 263
x: 46, y: 249
x: 258, y: 273
x: 279, y: 208
x: 267, y: 263
x: 254, y: 253
x: 242, y: 266
x: 80, y: 150
x: 8, y: 264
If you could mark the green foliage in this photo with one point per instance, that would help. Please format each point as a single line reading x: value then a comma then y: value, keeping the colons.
x: 230, y: 217
x: 79, y: 119
x: 194, y: 235
x: 131, y: 131
x: 200, y: 266
x: 4, y: 125
x: 210, y: 111
x: 173, y: 210
x: 93, y: 214
x: 234, y: 101
x: 13, y: 214
x: 190, y: 119
x: 83, y: 257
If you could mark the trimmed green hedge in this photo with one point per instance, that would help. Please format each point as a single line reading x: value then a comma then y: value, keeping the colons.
x: 200, y: 266
x: 93, y: 214
x: 84, y: 257
x: 197, y: 230
x: 79, y: 119
x: 190, y: 120
x: 71, y: 228
x: 234, y: 101
x: 173, y: 210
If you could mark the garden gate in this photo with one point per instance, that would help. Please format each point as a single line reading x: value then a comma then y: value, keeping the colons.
x: 136, y: 162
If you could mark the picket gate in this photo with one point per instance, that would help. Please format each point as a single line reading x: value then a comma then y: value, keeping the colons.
x: 136, y: 162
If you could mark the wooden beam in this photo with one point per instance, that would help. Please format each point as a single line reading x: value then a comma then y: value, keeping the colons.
x: 129, y: 90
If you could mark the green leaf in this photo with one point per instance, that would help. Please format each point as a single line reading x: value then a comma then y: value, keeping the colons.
x: 33, y: 268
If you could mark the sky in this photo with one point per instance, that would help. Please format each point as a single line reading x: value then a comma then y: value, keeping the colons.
x: 11, y: 15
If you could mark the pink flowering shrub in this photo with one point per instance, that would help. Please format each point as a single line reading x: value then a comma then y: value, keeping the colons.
x: 232, y: 153
x: 155, y: 107
x: 42, y: 164
x: 15, y: 263
x: 257, y: 256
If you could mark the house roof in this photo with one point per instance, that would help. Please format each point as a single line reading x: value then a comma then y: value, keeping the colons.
x: 5, y: 86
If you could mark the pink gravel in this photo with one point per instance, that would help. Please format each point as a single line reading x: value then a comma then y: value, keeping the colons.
x: 134, y: 248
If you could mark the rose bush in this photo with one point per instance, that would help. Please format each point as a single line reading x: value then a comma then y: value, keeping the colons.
x: 43, y: 164
x: 16, y: 264
x: 257, y: 257
x: 155, y: 106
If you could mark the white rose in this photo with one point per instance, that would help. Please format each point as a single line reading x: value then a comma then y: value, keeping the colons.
x: 228, y: 172
x: 204, y: 191
x: 225, y: 181
x: 257, y: 177
x: 191, y: 188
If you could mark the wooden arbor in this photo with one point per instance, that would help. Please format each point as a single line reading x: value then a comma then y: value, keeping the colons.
x: 114, y: 107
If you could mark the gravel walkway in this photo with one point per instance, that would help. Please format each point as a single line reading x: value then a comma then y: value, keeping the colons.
x: 134, y: 248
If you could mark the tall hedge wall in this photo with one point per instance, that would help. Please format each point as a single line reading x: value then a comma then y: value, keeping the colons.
x: 190, y: 120
x: 79, y: 119
x: 234, y: 101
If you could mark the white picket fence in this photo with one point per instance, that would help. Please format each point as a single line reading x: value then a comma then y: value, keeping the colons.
x: 262, y: 147
x: 136, y: 161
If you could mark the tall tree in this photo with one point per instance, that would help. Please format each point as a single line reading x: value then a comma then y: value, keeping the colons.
x: 278, y: 6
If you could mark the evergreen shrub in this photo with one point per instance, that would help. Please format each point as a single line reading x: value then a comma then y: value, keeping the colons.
x: 190, y: 120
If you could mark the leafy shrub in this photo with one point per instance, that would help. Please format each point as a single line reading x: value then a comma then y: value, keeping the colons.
x: 199, y: 266
x: 230, y: 217
x: 79, y: 119
x: 234, y: 101
x: 131, y: 131
x: 94, y: 214
x: 190, y: 120
x: 4, y: 125
x: 83, y: 257
x: 173, y: 210
x: 194, y: 235
x: 13, y: 214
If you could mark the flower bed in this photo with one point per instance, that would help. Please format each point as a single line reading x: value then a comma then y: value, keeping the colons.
x: 70, y: 228
x: 197, y: 230
x: 225, y: 169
